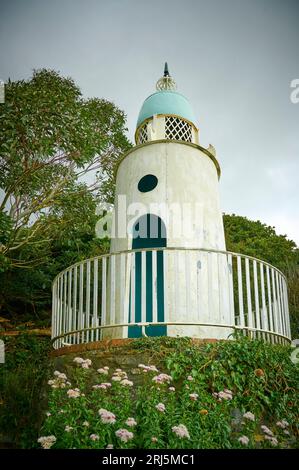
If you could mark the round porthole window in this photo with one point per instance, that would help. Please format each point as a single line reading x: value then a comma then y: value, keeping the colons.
x: 147, y: 183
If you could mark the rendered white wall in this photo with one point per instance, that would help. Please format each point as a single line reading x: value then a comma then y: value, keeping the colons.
x: 186, y: 175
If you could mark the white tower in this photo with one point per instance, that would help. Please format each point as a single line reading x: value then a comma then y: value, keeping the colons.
x: 167, y: 193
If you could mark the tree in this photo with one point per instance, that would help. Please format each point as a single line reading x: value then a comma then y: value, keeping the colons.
x: 50, y: 139
x: 261, y: 241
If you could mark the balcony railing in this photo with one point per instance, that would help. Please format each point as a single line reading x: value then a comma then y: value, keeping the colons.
x: 169, y: 291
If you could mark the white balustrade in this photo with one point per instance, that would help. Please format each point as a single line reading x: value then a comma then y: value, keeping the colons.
x: 103, y: 297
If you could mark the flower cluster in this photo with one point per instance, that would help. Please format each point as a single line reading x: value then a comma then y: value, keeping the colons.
x: 84, y: 363
x: 282, y: 424
x: 59, y: 381
x: 126, y: 383
x: 181, y: 431
x: 103, y: 386
x: 119, y: 375
x: 94, y: 437
x: 131, y: 422
x: 248, y: 415
x: 73, y: 393
x: 148, y: 368
x: 103, y: 370
x: 193, y: 396
x: 162, y: 379
x: 46, y: 441
x: 269, y: 436
x: 244, y: 440
x: 124, y: 435
x: 223, y: 395
x: 160, y: 407
x: 266, y: 430
x: 106, y: 416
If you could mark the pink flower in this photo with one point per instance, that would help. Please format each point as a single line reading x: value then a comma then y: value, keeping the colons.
x: 160, y: 407
x: 190, y: 378
x: 131, y: 422
x: 116, y: 378
x: 102, y: 386
x: 193, y: 396
x: 148, y: 368
x: 282, y: 424
x: 73, y: 393
x: 106, y: 368
x: 181, y: 431
x: 103, y: 371
x: 84, y: 365
x: 60, y: 375
x: 120, y: 373
x: 250, y: 416
x: 124, y: 435
x: 106, y: 416
x: 266, y: 430
x: 224, y: 395
x: 162, y: 378
x: 78, y: 360
x: 59, y: 381
x: 171, y: 389
x: 272, y: 440
x: 94, y: 437
x: 126, y: 383
x: 244, y: 440
x: 46, y: 441
x: 285, y: 431
x: 48, y: 414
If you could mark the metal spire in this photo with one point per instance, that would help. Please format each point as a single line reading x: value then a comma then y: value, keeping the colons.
x: 166, y: 71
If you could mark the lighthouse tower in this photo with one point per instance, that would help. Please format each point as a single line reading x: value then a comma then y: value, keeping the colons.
x: 167, y: 213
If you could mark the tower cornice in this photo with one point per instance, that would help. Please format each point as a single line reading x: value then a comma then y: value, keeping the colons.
x: 171, y: 142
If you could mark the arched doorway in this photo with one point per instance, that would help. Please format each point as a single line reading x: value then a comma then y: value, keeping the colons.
x: 148, y: 232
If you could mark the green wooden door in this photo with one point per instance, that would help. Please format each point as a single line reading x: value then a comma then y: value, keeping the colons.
x: 148, y: 232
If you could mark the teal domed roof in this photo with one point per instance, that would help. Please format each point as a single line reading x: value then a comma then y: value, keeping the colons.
x: 166, y: 102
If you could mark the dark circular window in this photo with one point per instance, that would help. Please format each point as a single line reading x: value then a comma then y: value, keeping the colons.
x: 147, y: 183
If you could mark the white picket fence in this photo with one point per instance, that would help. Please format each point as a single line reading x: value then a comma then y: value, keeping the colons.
x: 202, y: 290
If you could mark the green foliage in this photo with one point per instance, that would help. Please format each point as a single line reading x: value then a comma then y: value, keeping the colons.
x: 214, y: 386
x: 50, y: 138
x: 260, y: 241
x: 21, y: 389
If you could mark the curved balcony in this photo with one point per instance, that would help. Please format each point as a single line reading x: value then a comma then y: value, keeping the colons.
x: 169, y: 291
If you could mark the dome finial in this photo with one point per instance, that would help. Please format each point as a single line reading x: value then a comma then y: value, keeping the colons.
x: 166, y: 82
x: 166, y: 71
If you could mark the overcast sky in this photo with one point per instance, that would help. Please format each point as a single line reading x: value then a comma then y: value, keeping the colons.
x: 234, y: 60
